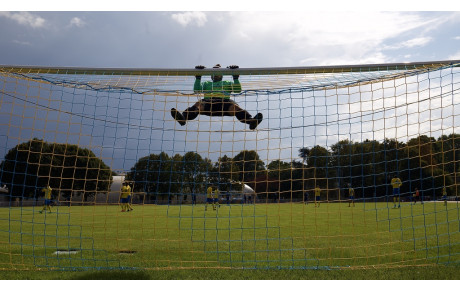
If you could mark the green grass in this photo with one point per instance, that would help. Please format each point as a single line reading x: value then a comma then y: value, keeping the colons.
x: 263, y: 241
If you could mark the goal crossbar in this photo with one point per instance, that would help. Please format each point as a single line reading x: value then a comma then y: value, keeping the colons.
x: 226, y: 71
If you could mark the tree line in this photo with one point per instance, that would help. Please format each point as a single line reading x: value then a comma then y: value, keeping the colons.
x: 29, y: 167
x: 423, y: 162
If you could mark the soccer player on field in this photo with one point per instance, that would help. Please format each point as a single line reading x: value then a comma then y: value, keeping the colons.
x: 47, y: 190
x: 351, y: 194
x: 317, y: 196
x: 444, y: 195
x: 416, y: 195
x: 193, y: 198
x: 129, y: 205
x: 125, y: 192
x: 396, y: 183
x: 209, y: 198
x: 216, y: 198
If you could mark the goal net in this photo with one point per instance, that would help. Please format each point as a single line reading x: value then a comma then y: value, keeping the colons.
x: 297, y: 168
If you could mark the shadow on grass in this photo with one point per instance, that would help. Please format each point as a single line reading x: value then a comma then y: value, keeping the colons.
x: 406, y: 273
x: 113, y: 275
x: 410, y: 273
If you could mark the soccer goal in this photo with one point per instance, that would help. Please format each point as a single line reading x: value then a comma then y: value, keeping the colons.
x: 226, y: 167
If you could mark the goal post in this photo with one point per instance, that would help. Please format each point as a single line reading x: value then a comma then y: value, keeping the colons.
x: 271, y: 168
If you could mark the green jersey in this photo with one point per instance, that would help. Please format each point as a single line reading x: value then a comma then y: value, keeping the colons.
x: 220, y: 89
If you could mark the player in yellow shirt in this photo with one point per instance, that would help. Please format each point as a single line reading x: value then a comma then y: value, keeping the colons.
x: 396, y: 183
x: 209, y: 198
x: 125, y: 193
x: 351, y: 194
x: 47, y: 206
x: 216, y: 198
x: 130, y: 205
x: 317, y: 196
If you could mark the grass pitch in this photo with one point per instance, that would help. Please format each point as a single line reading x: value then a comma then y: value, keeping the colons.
x: 258, y: 239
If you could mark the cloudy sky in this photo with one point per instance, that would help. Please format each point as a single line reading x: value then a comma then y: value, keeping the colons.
x: 178, y: 39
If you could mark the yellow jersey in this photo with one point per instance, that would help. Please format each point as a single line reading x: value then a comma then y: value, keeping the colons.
x: 47, y: 191
x: 317, y: 191
x: 210, y: 194
x: 125, y: 191
x: 396, y: 182
x: 351, y: 192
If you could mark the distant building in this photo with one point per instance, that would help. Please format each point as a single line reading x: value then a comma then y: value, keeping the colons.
x: 249, y: 194
x: 4, y: 196
x: 114, y: 195
x: 4, y: 190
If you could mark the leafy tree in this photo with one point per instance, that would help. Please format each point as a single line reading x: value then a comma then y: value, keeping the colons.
x: 318, y: 160
x: 280, y: 173
x: 249, y: 165
x: 160, y: 175
x: 153, y: 175
x: 447, y: 152
x: 304, y: 153
x: 226, y: 174
x: 30, y: 166
x: 290, y: 178
x: 194, y: 172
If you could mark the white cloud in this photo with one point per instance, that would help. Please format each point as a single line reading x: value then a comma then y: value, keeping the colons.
x: 336, y: 28
x: 415, y: 42
x: 420, y: 41
x: 455, y: 56
x: 308, y: 61
x: 329, y: 37
x: 78, y: 22
x: 21, y: 42
x: 244, y: 35
x: 25, y: 18
x: 186, y: 18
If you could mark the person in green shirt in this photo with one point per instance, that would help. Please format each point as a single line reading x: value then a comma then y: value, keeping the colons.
x: 216, y: 101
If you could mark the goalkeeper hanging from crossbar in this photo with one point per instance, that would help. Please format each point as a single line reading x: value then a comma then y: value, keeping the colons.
x: 216, y: 101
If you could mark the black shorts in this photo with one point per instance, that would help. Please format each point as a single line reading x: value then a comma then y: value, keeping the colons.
x: 217, y: 107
